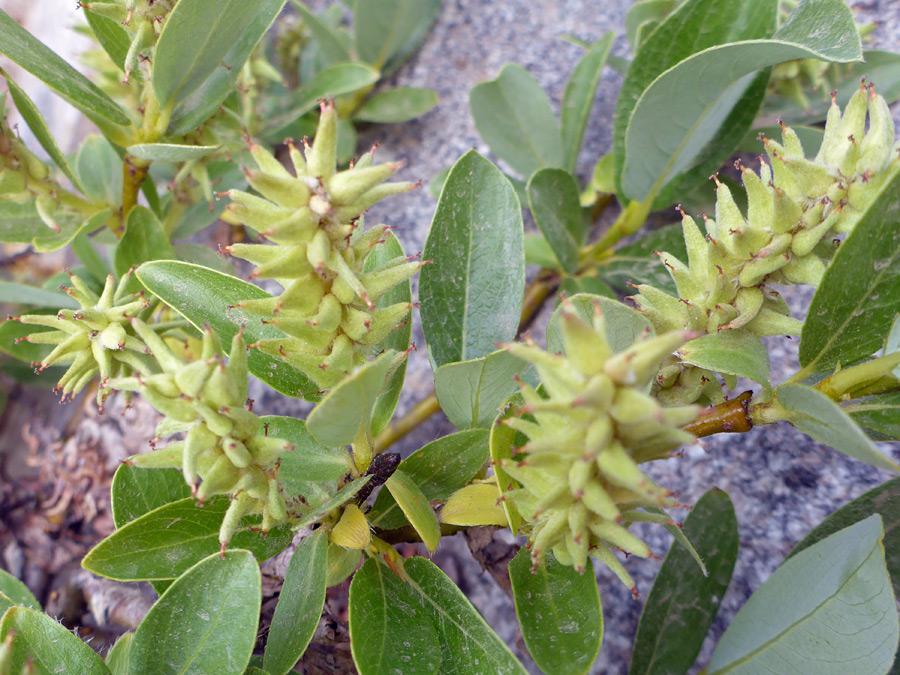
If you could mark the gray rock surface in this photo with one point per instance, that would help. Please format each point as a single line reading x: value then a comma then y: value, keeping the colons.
x: 782, y: 484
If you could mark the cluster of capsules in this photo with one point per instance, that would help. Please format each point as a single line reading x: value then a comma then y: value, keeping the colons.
x: 580, y: 476
x: 142, y: 19
x: 796, y: 209
x: 226, y: 449
x: 314, y: 218
x: 96, y: 339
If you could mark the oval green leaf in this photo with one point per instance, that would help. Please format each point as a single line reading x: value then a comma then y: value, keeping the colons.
x: 707, y: 85
x: 194, y: 42
x: 578, y: 98
x: 415, y: 507
x: 465, y: 637
x: 144, y: 240
x: 388, y: 32
x: 879, y: 416
x: 330, y: 44
x: 553, y: 197
x: 683, y: 602
x: 49, y: 645
x: 883, y: 500
x: 816, y: 415
x: 20, y: 294
x: 205, y: 622
x: 165, y: 542
x: 100, y: 170
x: 308, y: 461
x: 859, y: 296
x: 472, y: 293
x: 397, y: 105
x: 135, y: 491
x: 338, y: 418
x: 299, y: 605
x: 513, y: 116
x: 736, y: 352
x: 209, y: 95
x: 17, y: 592
x: 830, y: 609
x: 438, y: 469
x: 471, y: 392
x: 210, y: 301
x: 341, y: 78
x: 390, y: 627
x: 117, y: 657
x: 559, y: 613
x: 694, y: 26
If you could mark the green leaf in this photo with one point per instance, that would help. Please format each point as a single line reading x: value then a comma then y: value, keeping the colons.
x: 514, y: 117
x: 135, y: 491
x: 464, y: 635
x: 399, y: 340
x: 341, y: 78
x: 210, y: 301
x: 661, y: 142
x: 883, y: 500
x: 695, y: 25
x: 170, y: 152
x: 165, y: 542
x: 472, y: 293
x: 471, y: 392
x: 340, y: 497
x: 331, y: 47
x: 879, y: 415
x: 308, y: 461
x: 389, y: 31
x: 194, y: 42
x: 859, y: 296
x: 830, y: 609
x: 559, y: 613
x: 396, y: 105
x: 94, y: 264
x: 35, y: 121
x: 347, y: 408
x: 816, y: 415
x: 438, y: 469
x: 642, y: 17
x: 212, y: 91
x: 415, y: 507
x: 299, y: 605
x: 390, y: 627
x: 623, y: 325
x: 586, y: 285
x: 721, y: 146
x: 20, y: 223
x: 144, y: 240
x: 554, y: 203
x: 49, y: 645
x: 205, y: 622
x: 117, y: 658
x: 578, y: 98
x: 100, y: 170
x: 111, y: 36
x: 683, y: 602
x: 538, y: 252
x: 735, y: 352
x: 17, y: 592
x: 34, y: 56
x: 636, y: 263
x: 21, y: 294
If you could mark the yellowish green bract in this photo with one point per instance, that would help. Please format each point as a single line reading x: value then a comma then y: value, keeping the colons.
x: 796, y: 209
x: 314, y: 218
x: 581, y: 483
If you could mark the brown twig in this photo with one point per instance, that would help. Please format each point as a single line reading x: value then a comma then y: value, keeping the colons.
x: 730, y: 417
